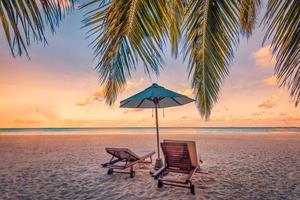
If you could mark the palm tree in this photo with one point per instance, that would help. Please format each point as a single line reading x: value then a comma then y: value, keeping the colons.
x: 126, y: 32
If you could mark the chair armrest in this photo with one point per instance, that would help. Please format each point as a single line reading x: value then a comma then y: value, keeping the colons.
x: 158, y: 172
x: 110, y: 163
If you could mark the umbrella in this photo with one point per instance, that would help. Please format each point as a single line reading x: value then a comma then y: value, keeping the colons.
x: 156, y: 97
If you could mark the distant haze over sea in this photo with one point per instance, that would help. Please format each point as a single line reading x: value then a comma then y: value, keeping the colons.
x: 149, y: 130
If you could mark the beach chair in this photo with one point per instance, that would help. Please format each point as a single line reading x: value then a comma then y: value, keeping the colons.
x: 123, y: 158
x: 180, y: 157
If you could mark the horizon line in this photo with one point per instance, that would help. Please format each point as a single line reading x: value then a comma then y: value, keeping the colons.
x: 147, y: 127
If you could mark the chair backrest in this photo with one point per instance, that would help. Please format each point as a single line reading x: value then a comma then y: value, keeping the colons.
x: 123, y: 153
x: 192, y: 150
x: 176, y: 155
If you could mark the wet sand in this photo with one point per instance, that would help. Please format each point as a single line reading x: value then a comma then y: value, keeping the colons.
x: 240, y: 166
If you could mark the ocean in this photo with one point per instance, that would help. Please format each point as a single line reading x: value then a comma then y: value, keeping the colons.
x: 149, y: 130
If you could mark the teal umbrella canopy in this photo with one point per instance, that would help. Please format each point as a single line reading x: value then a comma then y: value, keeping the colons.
x: 153, y: 96
x: 156, y: 97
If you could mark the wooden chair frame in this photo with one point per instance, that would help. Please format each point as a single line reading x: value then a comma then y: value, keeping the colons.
x: 129, y: 162
x: 186, y: 168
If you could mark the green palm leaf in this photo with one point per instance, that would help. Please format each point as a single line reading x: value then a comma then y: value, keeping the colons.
x: 125, y: 32
x: 176, y: 14
x: 248, y: 15
x: 212, y: 32
x: 282, y: 20
x: 23, y: 20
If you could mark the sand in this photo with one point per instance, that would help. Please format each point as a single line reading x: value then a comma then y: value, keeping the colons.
x: 240, y: 166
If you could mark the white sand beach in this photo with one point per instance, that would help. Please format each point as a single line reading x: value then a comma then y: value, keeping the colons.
x: 240, y: 166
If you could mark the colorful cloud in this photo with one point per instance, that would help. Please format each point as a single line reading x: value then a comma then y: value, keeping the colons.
x: 270, y: 81
x: 133, y: 110
x: 186, y: 92
x: 269, y: 103
x: 96, y: 95
x: 84, y: 101
x: 264, y: 58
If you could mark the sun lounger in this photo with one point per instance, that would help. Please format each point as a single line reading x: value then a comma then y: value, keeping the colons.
x: 180, y: 157
x: 123, y: 158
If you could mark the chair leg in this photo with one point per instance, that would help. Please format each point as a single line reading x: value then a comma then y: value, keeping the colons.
x: 160, y: 183
x: 132, y: 172
x: 192, y: 188
x: 110, y: 171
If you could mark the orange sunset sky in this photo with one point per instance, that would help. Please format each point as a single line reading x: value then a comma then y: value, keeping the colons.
x: 58, y: 87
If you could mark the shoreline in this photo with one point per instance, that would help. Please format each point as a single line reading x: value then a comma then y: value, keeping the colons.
x: 118, y: 134
x: 150, y: 131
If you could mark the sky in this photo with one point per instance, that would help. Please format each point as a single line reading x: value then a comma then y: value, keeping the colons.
x: 58, y: 87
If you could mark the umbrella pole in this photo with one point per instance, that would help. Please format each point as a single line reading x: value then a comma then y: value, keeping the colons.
x: 158, y: 162
x: 157, y: 132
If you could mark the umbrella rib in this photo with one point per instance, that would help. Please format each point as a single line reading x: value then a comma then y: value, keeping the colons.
x: 176, y: 101
x: 159, y: 101
x: 141, y: 103
x: 124, y: 103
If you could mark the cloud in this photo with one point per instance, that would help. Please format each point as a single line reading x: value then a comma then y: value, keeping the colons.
x: 257, y: 114
x: 134, y: 84
x: 133, y: 110
x: 78, y: 121
x: 263, y: 57
x: 270, y: 81
x: 269, y: 103
x: 27, y: 121
x: 96, y: 95
x: 186, y: 117
x: 260, y: 115
x: 186, y: 92
x: 84, y: 101
x: 35, y: 116
x: 283, y: 114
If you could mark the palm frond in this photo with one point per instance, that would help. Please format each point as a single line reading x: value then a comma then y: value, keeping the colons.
x: 125, y: 32
x: 24, y: 20
x: 176, y: 14
x: 282, y: 20
x: 212, y: 32
x: 248, y: 11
